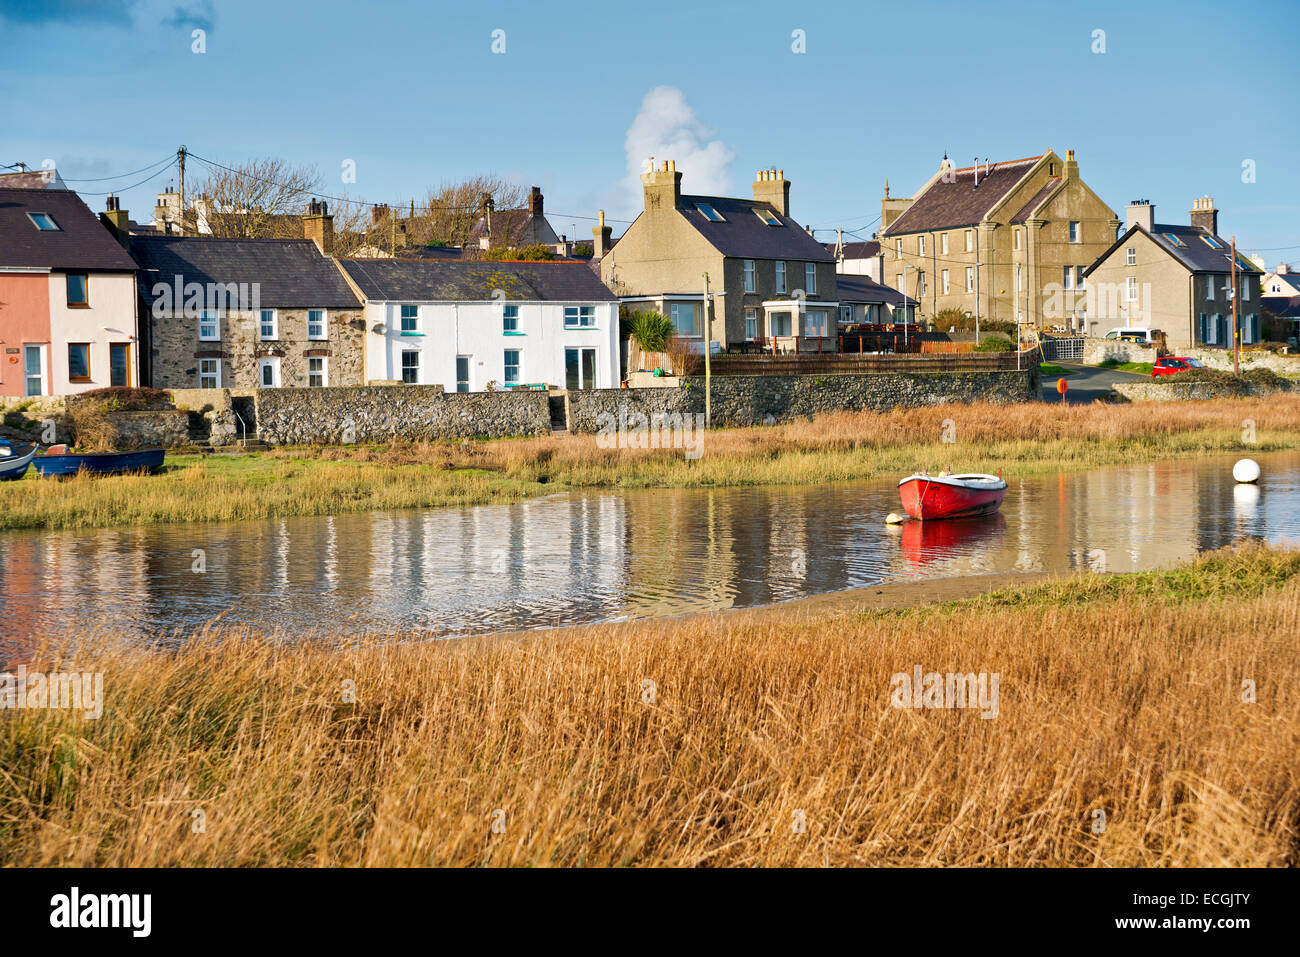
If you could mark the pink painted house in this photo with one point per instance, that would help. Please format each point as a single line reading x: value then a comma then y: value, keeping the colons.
x: 68, y: 305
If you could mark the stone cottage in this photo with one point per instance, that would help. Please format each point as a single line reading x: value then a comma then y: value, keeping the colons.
x: 250, y: 313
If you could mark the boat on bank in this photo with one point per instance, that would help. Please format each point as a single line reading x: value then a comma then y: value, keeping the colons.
x: 58, y: 461
x: 928, y: 496
x: 14, y: 459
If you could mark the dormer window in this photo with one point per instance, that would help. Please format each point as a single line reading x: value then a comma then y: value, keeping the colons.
x: 44, y: 222
x: 767, y: 216
x: 709, y: 213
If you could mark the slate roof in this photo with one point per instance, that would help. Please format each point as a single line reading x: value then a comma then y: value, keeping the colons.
x: 1288, y: 307
x: 33, y: 179
x: 290, y: 272
x: 743, y: 235
x: 1195, y: 254
x: 866, y: 289
x: 80, y: 242
x: 509, y: 227
x: 946, y: 205
x: 1037, y: 199
x: 392, y: 280
x: 862, y: 250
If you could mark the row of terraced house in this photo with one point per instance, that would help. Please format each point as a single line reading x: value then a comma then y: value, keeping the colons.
x: 90, y: 300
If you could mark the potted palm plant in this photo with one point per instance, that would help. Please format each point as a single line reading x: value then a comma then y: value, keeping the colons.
x: 651, y: 331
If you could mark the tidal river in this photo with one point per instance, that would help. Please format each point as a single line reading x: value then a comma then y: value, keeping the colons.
x: 607, y: 556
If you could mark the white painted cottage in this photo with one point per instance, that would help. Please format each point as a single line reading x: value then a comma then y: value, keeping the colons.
x: 465, y: 325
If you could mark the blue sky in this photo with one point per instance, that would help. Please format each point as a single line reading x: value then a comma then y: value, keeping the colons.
x: 1184, y: 94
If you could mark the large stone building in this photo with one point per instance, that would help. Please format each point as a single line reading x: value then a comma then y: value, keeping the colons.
x: 1174, y: 278
x: 998, y: 240
x: 249, y: 313
x: 771, y: 283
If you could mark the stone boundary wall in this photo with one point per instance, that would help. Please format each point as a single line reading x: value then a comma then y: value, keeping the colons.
x: 23, y: 418
x: 763, y: 400
x: 1179, y: 391
x: 345, y: 414
x: 1250, y: 359
x: 1097, y: 351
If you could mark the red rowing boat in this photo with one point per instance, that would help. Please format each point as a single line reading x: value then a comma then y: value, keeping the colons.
x: 951, y: 496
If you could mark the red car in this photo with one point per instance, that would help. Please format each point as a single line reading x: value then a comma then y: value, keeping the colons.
x: 1171, y: 365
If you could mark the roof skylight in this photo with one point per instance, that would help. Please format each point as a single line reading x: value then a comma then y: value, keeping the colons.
x: 709, y: 213
x: 767, y: 216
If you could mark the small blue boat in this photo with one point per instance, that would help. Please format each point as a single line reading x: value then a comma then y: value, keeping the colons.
x: 69, y: 463
x: 14, y: 459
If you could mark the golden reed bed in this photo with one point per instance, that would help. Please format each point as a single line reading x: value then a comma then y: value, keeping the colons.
x: 739, y: 739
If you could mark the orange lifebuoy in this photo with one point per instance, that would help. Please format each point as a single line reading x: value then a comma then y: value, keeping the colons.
x: 13, y: 360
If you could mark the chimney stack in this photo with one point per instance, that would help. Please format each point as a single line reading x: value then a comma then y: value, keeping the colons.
x: 1071, y: 170
x: 602, y: 237
x: 1204, y: 216
x: 771, y: 187
x: 662, y: 187
x: 117, y: 220
x: 535, y: 201
x: 1142, y: 213
x: 318, y: 226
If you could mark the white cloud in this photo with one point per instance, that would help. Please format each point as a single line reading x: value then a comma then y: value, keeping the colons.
x: 667, y: 128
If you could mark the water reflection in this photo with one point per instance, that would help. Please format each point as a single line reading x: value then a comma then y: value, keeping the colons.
x: 612, y: 556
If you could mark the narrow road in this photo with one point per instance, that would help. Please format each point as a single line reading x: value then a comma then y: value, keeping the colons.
x: 1087, y: 383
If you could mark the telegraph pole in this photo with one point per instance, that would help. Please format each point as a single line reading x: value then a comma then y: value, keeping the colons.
x: 180, y: 156
x: 708, y: 349
x: 1236, y: 330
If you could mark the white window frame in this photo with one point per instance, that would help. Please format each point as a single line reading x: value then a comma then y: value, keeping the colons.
x: 810, y: 279
x: 1245, y: 289
x: 970, y: 278
x: 324, y: 371
x: 815, y: 324
x: 402, y: 317
x: 1080, y: 280
x: 1068, y: 281
x: 215, y: 375
x: 751, y: 325
x: 779, y: 268
x: 507, y: 316
x: 1075, y: 231
x: 324, y: 333
x: 674, y: 308
x: 212, y: 317
x: 970, y: 240
x: 272, y: 363
x: 750, y: 282
x: 1130, y: 289
x: 42, y: 375
x: 262, y: 323
x: 518, y: 366
x: 1130, y: 256
x: 401, y: 365
x: 579, y: 317
x: 920, y: 283
x: 920, y: 245
x: 943, y: 244
x: 898, y: 248
x: 944, y: 276
x: 1015, y: 237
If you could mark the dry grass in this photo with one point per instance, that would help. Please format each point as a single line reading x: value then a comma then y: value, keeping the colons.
x: 1020, y: 439
x: 1125, y: 698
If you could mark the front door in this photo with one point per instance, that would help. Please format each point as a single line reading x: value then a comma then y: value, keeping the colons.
x: 34, y: 369
x: 119, y: 363
x: 269, y: 372
x: 462, y: 373
x: 579, y: 368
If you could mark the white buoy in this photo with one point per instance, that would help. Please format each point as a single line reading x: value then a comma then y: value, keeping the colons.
x: 1247, y: 470
x: 893, y: 518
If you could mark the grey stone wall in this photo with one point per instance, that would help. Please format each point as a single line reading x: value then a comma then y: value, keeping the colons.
x: 1172, y: 391
x: 405, y: 412
x: 1097, y: 351
x: 757, y: 400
